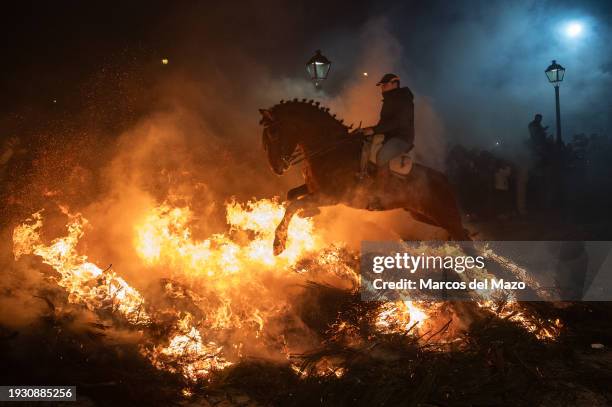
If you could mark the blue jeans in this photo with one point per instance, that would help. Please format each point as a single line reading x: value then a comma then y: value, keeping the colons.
x: 391, y: 149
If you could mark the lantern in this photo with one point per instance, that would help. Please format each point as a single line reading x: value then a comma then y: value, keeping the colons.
x: 318, y: 67
x: 555, y: 73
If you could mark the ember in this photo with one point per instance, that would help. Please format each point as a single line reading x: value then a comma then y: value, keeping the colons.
x: 164, y: 238
x: 85, y: 282
x: 275, y: 204
x: 220, y: 267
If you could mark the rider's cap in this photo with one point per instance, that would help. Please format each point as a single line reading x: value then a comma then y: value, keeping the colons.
x: 388, y: 77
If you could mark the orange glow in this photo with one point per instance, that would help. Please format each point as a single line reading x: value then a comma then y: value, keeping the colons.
x: 228, y: 277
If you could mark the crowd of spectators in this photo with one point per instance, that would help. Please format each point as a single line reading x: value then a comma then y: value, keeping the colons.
x: 574, y: 178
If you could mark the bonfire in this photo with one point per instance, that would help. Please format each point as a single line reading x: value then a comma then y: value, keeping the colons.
x: 227, y: 298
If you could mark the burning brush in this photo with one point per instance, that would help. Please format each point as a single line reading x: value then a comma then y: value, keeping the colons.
x: 228, y: 297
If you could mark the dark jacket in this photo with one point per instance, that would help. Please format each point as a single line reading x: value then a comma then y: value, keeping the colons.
x: 397, y: 115
x: 537, y: 133
x: 540, y: 145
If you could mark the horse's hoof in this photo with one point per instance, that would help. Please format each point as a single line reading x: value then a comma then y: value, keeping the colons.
x: 309, y: 213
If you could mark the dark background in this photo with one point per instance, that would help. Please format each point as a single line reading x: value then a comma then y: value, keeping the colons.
x: 482, y: 63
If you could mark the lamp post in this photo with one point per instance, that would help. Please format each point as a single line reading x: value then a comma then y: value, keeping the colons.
x: 318, y: 68
x: 555, y: 74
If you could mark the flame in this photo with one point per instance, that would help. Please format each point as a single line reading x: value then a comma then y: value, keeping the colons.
x: 165, y: 238
x: 86, y: 283
x: 227, y: 277
x: 542, y: 329
x: 186, y: 353
x: 324, y: 367
x: 400, y: 317
x: 225, y: 267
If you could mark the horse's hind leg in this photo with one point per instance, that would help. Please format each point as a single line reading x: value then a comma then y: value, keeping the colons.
x: 453, y: 227
x: 422, y: 218
x: 436, y: 205
x: 453, y: 223
x: 448, y: 216
x: 451, y: 219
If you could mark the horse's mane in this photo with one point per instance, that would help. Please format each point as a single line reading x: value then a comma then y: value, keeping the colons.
x: 310, y: 110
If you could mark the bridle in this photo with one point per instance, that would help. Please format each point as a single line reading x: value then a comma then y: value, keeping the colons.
x: 298, y: 155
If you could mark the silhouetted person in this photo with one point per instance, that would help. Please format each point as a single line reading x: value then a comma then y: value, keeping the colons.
x: 541, y: 173
x: 538, y: 137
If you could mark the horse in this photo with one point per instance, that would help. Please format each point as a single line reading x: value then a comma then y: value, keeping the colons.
x: 304, y: 131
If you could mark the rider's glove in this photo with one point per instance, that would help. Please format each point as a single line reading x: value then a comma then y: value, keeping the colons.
x: 368, y: 131
x: 365, y: 131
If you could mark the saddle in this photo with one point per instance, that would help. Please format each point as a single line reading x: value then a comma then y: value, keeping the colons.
x: 400, y: 165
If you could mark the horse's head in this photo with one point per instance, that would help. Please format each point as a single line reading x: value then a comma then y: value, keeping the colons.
x: 278, y: 140
x: 293, y: 123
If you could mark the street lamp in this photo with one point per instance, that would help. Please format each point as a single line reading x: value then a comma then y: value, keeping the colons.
x: 555, y: 73
x: 318, y: 67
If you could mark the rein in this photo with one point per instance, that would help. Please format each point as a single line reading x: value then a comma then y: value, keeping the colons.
x: 300, y: 156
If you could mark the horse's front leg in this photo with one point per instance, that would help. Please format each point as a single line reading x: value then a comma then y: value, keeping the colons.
x: 297, y: 192
x: 307, y: 203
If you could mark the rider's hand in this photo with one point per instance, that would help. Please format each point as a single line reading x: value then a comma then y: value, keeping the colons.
x: 368, y: 131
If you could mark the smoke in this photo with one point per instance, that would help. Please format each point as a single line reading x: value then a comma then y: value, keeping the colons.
x: 18, y: 305
x: 483, y: 67
x: 359, y: 100
x: 198, y: 146
x: 194, y: 140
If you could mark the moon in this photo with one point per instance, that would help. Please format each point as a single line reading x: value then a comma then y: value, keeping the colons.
x: 573, y: 29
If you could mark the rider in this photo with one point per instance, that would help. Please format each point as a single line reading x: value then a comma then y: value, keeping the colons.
x: 396, y: 123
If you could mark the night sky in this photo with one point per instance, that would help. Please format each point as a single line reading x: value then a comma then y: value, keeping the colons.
x: 479, y: 63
